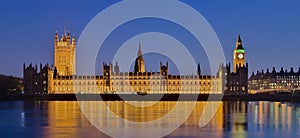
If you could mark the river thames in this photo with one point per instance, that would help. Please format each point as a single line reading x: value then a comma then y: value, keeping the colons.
x: 66, y: 119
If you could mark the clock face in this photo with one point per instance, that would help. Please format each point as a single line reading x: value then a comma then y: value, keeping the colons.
x: 240, y: 56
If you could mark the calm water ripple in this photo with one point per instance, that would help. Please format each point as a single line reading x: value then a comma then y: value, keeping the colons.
x: 65, y: 119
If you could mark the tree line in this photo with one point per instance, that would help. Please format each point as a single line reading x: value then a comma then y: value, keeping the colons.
x: 10, y: 85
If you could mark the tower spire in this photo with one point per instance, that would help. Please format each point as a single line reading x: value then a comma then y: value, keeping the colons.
x: 239, y: 37
x: 65, y: 27
x: 239, y: 42
x: 140, y: 53
x: 139, y: 62
x: 239, y: 55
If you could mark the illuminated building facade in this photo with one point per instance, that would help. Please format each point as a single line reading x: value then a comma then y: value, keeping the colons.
x: 239, y: 55
x: 237, y: 81
x: 37, y: 82
x: 282, y: 81
x: 139, y: 62
x: 113, y: 81
x: 61, y: 78
x: 65, y: 54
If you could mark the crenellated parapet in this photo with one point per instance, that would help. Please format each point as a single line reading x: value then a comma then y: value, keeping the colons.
x: 36, y: 81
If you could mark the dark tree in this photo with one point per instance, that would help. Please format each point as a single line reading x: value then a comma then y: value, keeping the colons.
x: 10, y: 85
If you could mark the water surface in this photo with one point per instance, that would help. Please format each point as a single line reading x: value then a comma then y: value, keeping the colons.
x: 65, y: 119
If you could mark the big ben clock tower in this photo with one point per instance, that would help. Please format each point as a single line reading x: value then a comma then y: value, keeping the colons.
x: 237, y: 82
x: 239, y: 55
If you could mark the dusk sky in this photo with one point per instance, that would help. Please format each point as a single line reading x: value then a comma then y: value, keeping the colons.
x: 270, y: 30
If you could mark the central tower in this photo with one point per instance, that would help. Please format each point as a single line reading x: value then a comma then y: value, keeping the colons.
x: 139, y: 62
x: 65, y: 54
x: 239, y: 55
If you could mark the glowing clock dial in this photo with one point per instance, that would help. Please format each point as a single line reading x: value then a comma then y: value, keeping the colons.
x: 240, y: 56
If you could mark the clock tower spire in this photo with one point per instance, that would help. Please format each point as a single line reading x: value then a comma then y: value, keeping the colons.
x: 239, y: 55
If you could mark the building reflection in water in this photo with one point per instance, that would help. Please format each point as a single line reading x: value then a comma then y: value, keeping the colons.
x: 280, y: 118
x: 234, y: 119
x: 56, y: 119
x: 134, y: 118
x: 32, y: 112
x: 65, y: 118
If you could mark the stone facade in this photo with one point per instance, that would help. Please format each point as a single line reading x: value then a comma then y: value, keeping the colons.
x: 237, y: 81
x: 65, y: 54
x: 61, y: 78
x: 273, y: 81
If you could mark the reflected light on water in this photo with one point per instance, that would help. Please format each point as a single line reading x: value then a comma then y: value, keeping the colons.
x: 232, y: 119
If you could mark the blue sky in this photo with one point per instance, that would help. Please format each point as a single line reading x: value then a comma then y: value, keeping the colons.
x: 270, y: 29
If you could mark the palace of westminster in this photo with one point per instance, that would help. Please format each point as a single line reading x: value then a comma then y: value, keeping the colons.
x: 61, y: 78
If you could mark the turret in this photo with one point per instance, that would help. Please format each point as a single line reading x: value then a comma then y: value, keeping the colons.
x: 107, y: 69
x: 274, y: 70
x: 199, y: 70
x: 228, y: 68
x: 56, y: 38
x: 281, y: 70
x: 164, y: 69
x: 117, y: 68
x: 111, y: 67
x: 68, y: 37
x: 292, y: 70
x: 73, y: 40
x: 41, y: 66
x: 55, y: 73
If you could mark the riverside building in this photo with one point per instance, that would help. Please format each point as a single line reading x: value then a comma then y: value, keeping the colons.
x: 62, y: 79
